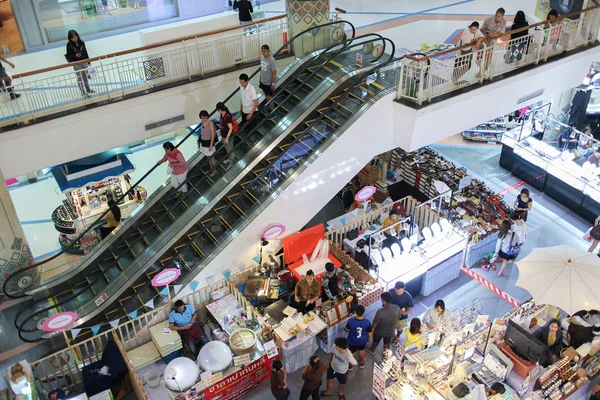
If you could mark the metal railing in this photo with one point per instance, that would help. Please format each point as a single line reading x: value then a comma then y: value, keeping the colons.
x: 422, y: 79
x: 60, y: 88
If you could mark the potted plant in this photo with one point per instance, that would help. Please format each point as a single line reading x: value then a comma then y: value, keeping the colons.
x: 123, y: 3
x: 89, y: 9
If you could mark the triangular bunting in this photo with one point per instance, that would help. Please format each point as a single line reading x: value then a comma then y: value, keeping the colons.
x: 177, y: 288
x: 210, y: 280
x: 227, y: 274
x: 256, y: 259
x: 355, y: 212
x: 343, y: 220
x: 96, y: 329
x: 150, y: 304
x: 114, y: 323
x: 75, y: 332
x: 133, y: 314
x: 165, y: 291
x: 194, y: 285
x: 242, y: 267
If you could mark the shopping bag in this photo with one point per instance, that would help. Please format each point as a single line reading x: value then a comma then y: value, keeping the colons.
x: 92, y: 73
x: 169, y: 170
x: 586, y: 236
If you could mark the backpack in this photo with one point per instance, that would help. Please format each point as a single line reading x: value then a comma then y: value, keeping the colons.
x: 234, y: 125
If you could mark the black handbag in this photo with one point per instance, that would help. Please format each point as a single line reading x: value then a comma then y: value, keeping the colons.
x: 352, y: 234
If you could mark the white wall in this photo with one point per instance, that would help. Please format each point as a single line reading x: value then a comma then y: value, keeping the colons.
x: 92, y: 131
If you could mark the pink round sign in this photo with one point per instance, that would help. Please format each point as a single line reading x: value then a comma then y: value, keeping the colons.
x: 365, y: 193
x: 166, y: 276
x: 59, y: 321
x: 273, y: 232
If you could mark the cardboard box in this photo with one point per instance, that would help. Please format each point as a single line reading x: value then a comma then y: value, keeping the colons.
x: 369, y: 174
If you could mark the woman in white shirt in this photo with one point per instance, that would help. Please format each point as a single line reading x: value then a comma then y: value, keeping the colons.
x: 473, y: 37
x: 519, y: 227
x: 506, y: 239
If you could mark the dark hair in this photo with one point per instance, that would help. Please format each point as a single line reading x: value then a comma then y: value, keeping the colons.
x: 329, y: 267
x: 265, y: 47
x: 515, y: 216
x: 415, y: 326
x: 360, y: 310
x: 114, y: 208
x: 315, y: 362
x: 222, y: 107
x: 393, y: 212
x: 552, y: 13
x: 525, y: 191
x: 399, y: 285
x: 440, y: 303
x: 341, y: 342
x: 203, y: 113
x: 475, y: 24
x: 244, y: 77
x: 553, y: 321
x: 310, y: 273
x: 277, y: 365
x: 504, y: 228
x: 179, y: 303
x: 520, y: 19
x: 501, y: 11
x: 498, y: 388
x: 386, y: 297
x: 72, y: 33
x: 168, y: 146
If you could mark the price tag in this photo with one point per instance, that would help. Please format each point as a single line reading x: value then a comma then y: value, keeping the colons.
x: 167, y: 330
x: 205, y: 375
x: 239, y: 361
x: 271, y: 349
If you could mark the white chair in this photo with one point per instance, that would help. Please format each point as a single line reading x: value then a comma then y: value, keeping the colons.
x: 376, y: 257
x: 387, y: 254
x: 396, y: 250
x: 436, y: 229
x: 427, y: 234
x: 406, y: 245
x: 446, y: 226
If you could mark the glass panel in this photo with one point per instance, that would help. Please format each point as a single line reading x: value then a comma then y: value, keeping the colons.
x: 93, y: 16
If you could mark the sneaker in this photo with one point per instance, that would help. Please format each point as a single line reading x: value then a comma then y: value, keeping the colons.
x: 350, y: 367
x: 361, y: 365
x: 91, y: 91
x: 371, y: 352
x: 395, y: 343
x: 227, y: 161
x: 15, y: 96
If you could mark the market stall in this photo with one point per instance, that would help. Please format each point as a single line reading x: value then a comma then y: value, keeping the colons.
x: 490, y: 131
x: 89, y: 184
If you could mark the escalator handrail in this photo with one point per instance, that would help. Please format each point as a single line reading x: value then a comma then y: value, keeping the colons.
x: 136, y: 184
x: 331, y: 56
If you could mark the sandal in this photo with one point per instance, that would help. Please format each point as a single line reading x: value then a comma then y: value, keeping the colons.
x: 323, y: 393
x: 493, y: 267
x: 342, y: 397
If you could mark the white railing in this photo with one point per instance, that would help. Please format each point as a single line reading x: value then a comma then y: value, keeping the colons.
x: 425, y: 78
x: 59, y: 89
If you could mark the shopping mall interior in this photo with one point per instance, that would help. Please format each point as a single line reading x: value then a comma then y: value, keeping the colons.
x: 425, y: 171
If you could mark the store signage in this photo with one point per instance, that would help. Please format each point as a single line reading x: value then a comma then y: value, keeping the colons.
x: 378, y: 381
x: 464, y: 182
x: 242, y: 360
x: 273, y: 232
x: 365, y: 193
x: 359, y: 59
x: 103, y: 297
x: 166, y: 276
x: 59, y: 321
x: 242, y: 381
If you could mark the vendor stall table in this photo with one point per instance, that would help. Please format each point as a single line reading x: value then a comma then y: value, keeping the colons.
x: 224, y: 310
x: 295, y: 353
x: 328, y: 336
x: 166, y: 343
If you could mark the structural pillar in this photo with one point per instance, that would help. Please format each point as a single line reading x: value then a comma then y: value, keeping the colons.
x: 305, y: 14
x: 14, y: 250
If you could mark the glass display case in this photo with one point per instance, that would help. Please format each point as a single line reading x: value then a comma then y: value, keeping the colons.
x: 536, y: 152
x: 568, y: 172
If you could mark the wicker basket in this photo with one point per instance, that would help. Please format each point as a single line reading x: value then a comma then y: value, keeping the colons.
x: 242, y: 341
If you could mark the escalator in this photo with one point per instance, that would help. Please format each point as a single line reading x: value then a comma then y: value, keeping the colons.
x: 133, y: 256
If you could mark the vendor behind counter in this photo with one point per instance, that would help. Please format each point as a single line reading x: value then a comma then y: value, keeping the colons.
x: 307, y: 292
x: 331, y: 279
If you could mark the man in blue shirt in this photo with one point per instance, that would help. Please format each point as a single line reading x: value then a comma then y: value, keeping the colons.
x: 404, y: 300
x: 569, y: 138
x: 183, y: 318
x: 358, y: 329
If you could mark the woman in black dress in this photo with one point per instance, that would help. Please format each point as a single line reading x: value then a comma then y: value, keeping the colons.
x: 523, y: 204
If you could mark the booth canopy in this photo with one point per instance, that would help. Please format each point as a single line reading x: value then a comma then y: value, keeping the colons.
x: 92, y: 169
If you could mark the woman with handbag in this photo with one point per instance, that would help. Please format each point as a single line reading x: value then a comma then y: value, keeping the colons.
x: 76, y: 51
x: 507, y: 247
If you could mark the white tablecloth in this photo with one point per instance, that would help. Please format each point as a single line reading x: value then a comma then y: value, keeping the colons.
x: 298, y: 354
x: 476, y: 251
x: 338, y: 329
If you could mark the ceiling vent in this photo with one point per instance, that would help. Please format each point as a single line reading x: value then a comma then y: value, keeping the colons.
x: 530, y: 96
x: 164, y: 122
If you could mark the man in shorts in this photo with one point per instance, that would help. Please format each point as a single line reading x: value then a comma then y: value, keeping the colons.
x: 384, y: 324
x: 404, y: 300
x: 340, y: 359
x: 358, y: 329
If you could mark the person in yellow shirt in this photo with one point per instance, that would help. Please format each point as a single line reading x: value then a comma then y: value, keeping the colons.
x: 112, y: 218
x: 413, y: 334
x: 391, y: 235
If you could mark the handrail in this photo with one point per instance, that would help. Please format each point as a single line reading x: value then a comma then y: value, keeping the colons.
x: 143, y: 48
x: 525, y: 28
x: 130, y: 191
x: 340, y: 10
x: 205, y: 228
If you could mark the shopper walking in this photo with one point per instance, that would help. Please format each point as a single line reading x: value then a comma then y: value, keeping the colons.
x: 472, y: 37
x: 595, y: 235
x: 523, y: 203
x: 404, y: 300
x: 384, y: 324
x: 76, y: 52
x: 519, y: 226
x: 279, y: 387
x: 245, y: 10
x: 268, y: 73
x: 207, y: 140
x: 112, y: 218
x: 358, y: 329
x: 436, y: 314
x: 340, y: 359
x: 312, y: 375
x: 177, y: 167
x: 249, y: 102
x: 229, y: 127
x: 519, y: 40
x: 413, y: 334
x: 506, y: 246
x: 6, y: 81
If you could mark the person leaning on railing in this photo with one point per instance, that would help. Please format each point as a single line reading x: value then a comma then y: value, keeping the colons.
x: 553, y: 28
x: 472, y: 37
x: 76, y: 51
x: 493, y: 28
x: 519, y: 44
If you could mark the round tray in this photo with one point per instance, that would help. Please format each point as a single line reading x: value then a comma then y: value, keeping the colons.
x: 242, y: 341
x: 215, y: 357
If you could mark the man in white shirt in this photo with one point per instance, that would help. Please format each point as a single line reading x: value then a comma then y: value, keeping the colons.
x: 493, y: 28
x: 249, y: 102
x: 472, y: 37
x: 435, y: 314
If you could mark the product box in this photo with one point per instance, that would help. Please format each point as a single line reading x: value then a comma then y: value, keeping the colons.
x: 369, y: 174
x: 106, y: 395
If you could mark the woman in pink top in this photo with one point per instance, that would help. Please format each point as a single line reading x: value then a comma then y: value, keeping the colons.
x: 177, y: 165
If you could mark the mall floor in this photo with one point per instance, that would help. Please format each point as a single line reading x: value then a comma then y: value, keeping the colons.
x: 439, y: 21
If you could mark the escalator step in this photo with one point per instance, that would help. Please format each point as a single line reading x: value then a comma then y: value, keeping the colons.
x: 188, y: 256
x: 150, y: 235
x: 111, y: 274
x: 137, y: 248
